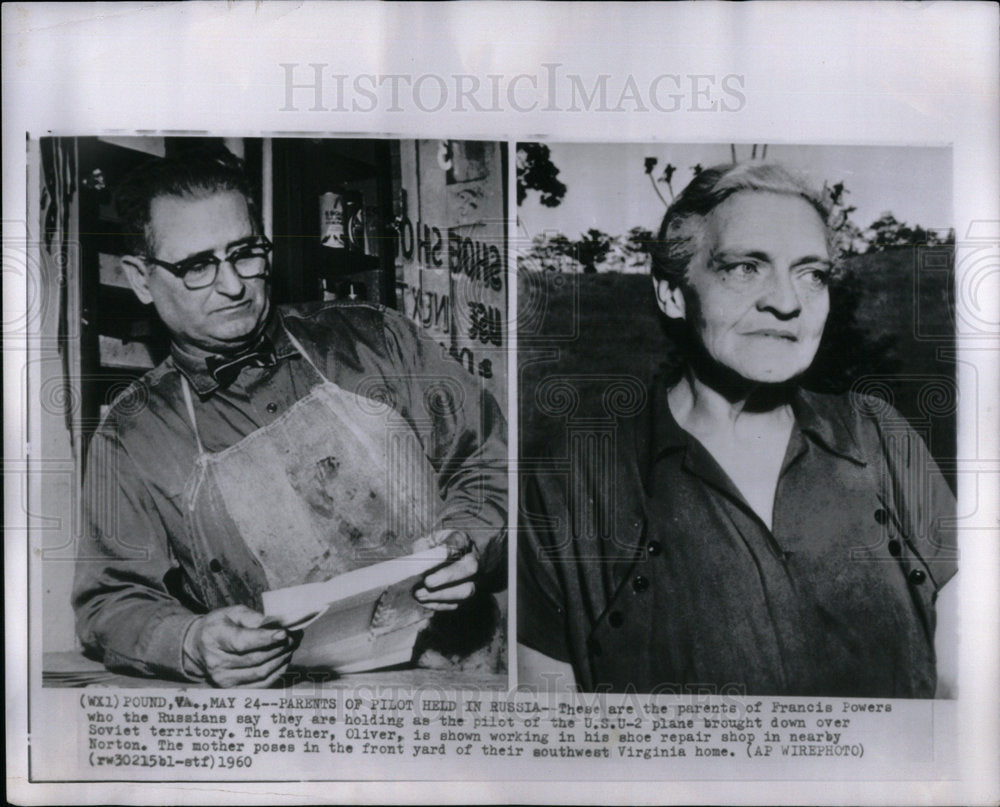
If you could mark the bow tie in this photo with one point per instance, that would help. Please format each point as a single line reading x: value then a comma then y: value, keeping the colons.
x: 225, y: 370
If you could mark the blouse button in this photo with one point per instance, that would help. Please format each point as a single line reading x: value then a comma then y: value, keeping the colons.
x: 640, y: 583
x: 894, y: 548
x: 917, y: 576
x: 654, y: 548
x: 616, y: 620
x: 214, y: 565
x: 881, y: 516
x: 271, y: 408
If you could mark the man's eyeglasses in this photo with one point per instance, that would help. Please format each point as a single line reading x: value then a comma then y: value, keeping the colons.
x: 200, y: 271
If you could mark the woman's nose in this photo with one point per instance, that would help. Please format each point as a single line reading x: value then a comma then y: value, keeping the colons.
x: 780, y: 296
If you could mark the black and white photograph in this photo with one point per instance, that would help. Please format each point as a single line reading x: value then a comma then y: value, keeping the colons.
x: 753, y: 399
x: 283, y: 393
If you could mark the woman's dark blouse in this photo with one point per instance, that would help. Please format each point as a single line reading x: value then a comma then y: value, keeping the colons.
x: 642, y: 565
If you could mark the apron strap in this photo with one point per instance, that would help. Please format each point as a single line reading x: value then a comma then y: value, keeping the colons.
x: 298, y: 346
x: 189, y: 404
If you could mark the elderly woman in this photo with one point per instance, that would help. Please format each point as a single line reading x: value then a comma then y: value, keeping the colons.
x: 744, y: 535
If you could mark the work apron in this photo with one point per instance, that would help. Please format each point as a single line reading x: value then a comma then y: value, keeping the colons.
x: 336, y: 483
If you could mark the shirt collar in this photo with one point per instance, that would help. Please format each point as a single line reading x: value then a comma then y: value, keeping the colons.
x: 194, y: 369
x: 827, y: 424
x: 815, y: 415
x: 663, y: 434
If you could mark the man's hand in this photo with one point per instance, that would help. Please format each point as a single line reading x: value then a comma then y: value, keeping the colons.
x: 231, y: 649
x: 446, y: 588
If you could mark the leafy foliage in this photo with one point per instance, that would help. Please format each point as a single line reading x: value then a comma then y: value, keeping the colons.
x: 537, y: 172
x: 666, y: 178
x: 594, y: 251
x: 550, y: 252
x: 592, y: 248
x: 887, y: 232
x: 848, y: 238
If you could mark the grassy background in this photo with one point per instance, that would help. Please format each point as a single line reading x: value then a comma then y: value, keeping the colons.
x: 890, y: 329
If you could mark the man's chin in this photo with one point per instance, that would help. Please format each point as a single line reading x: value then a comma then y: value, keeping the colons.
x: 237, y: 329
x: 234, y: 339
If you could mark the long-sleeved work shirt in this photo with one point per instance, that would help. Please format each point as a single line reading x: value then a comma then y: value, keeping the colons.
x: 137, y: 588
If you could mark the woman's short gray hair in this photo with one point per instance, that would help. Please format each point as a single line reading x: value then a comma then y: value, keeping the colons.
x: 683, y: 226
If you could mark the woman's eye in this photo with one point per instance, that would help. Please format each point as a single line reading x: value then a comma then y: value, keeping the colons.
x: 817, y: 278
x: 741, y: 269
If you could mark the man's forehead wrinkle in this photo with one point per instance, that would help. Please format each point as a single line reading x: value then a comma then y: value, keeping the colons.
x: 170, y: 210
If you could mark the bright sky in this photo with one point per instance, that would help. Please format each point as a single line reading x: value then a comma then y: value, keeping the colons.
x: 607, y: 189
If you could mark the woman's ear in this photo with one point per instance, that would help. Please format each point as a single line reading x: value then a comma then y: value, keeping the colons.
x: 138, y: 279
x: 669, y: 298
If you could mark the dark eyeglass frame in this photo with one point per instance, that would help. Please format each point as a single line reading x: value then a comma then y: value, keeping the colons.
x: 183, y: 268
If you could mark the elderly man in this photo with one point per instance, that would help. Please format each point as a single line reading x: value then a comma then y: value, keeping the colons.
x: 745, y: 535
x: 272, y: 447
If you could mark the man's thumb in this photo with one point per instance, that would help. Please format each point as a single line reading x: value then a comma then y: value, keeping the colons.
x: 245, y: 617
